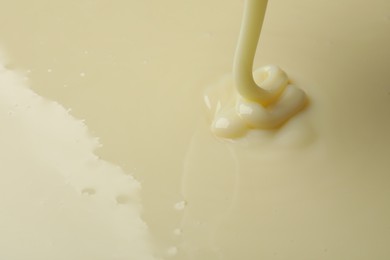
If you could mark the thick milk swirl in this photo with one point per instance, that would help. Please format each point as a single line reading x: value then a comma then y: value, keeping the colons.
x: 260, y: 100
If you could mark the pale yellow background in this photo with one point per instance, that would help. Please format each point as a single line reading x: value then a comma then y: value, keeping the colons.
x: 320, y: 191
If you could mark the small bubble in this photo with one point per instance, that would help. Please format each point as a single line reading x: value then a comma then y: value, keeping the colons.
x: 180, y: 205
x: 88, y: 191
x: 82, y: 74
x: 49, y: 70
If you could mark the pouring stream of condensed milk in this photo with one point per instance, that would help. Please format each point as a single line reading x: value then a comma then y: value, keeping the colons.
x: 240, y: 105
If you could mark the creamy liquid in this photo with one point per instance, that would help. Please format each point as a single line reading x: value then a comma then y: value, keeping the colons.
x: 316, y: 189
x: 246, y: 105
x: 59, y: 200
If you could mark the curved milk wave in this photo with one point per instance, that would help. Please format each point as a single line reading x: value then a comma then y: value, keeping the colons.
x: 59, y: 200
